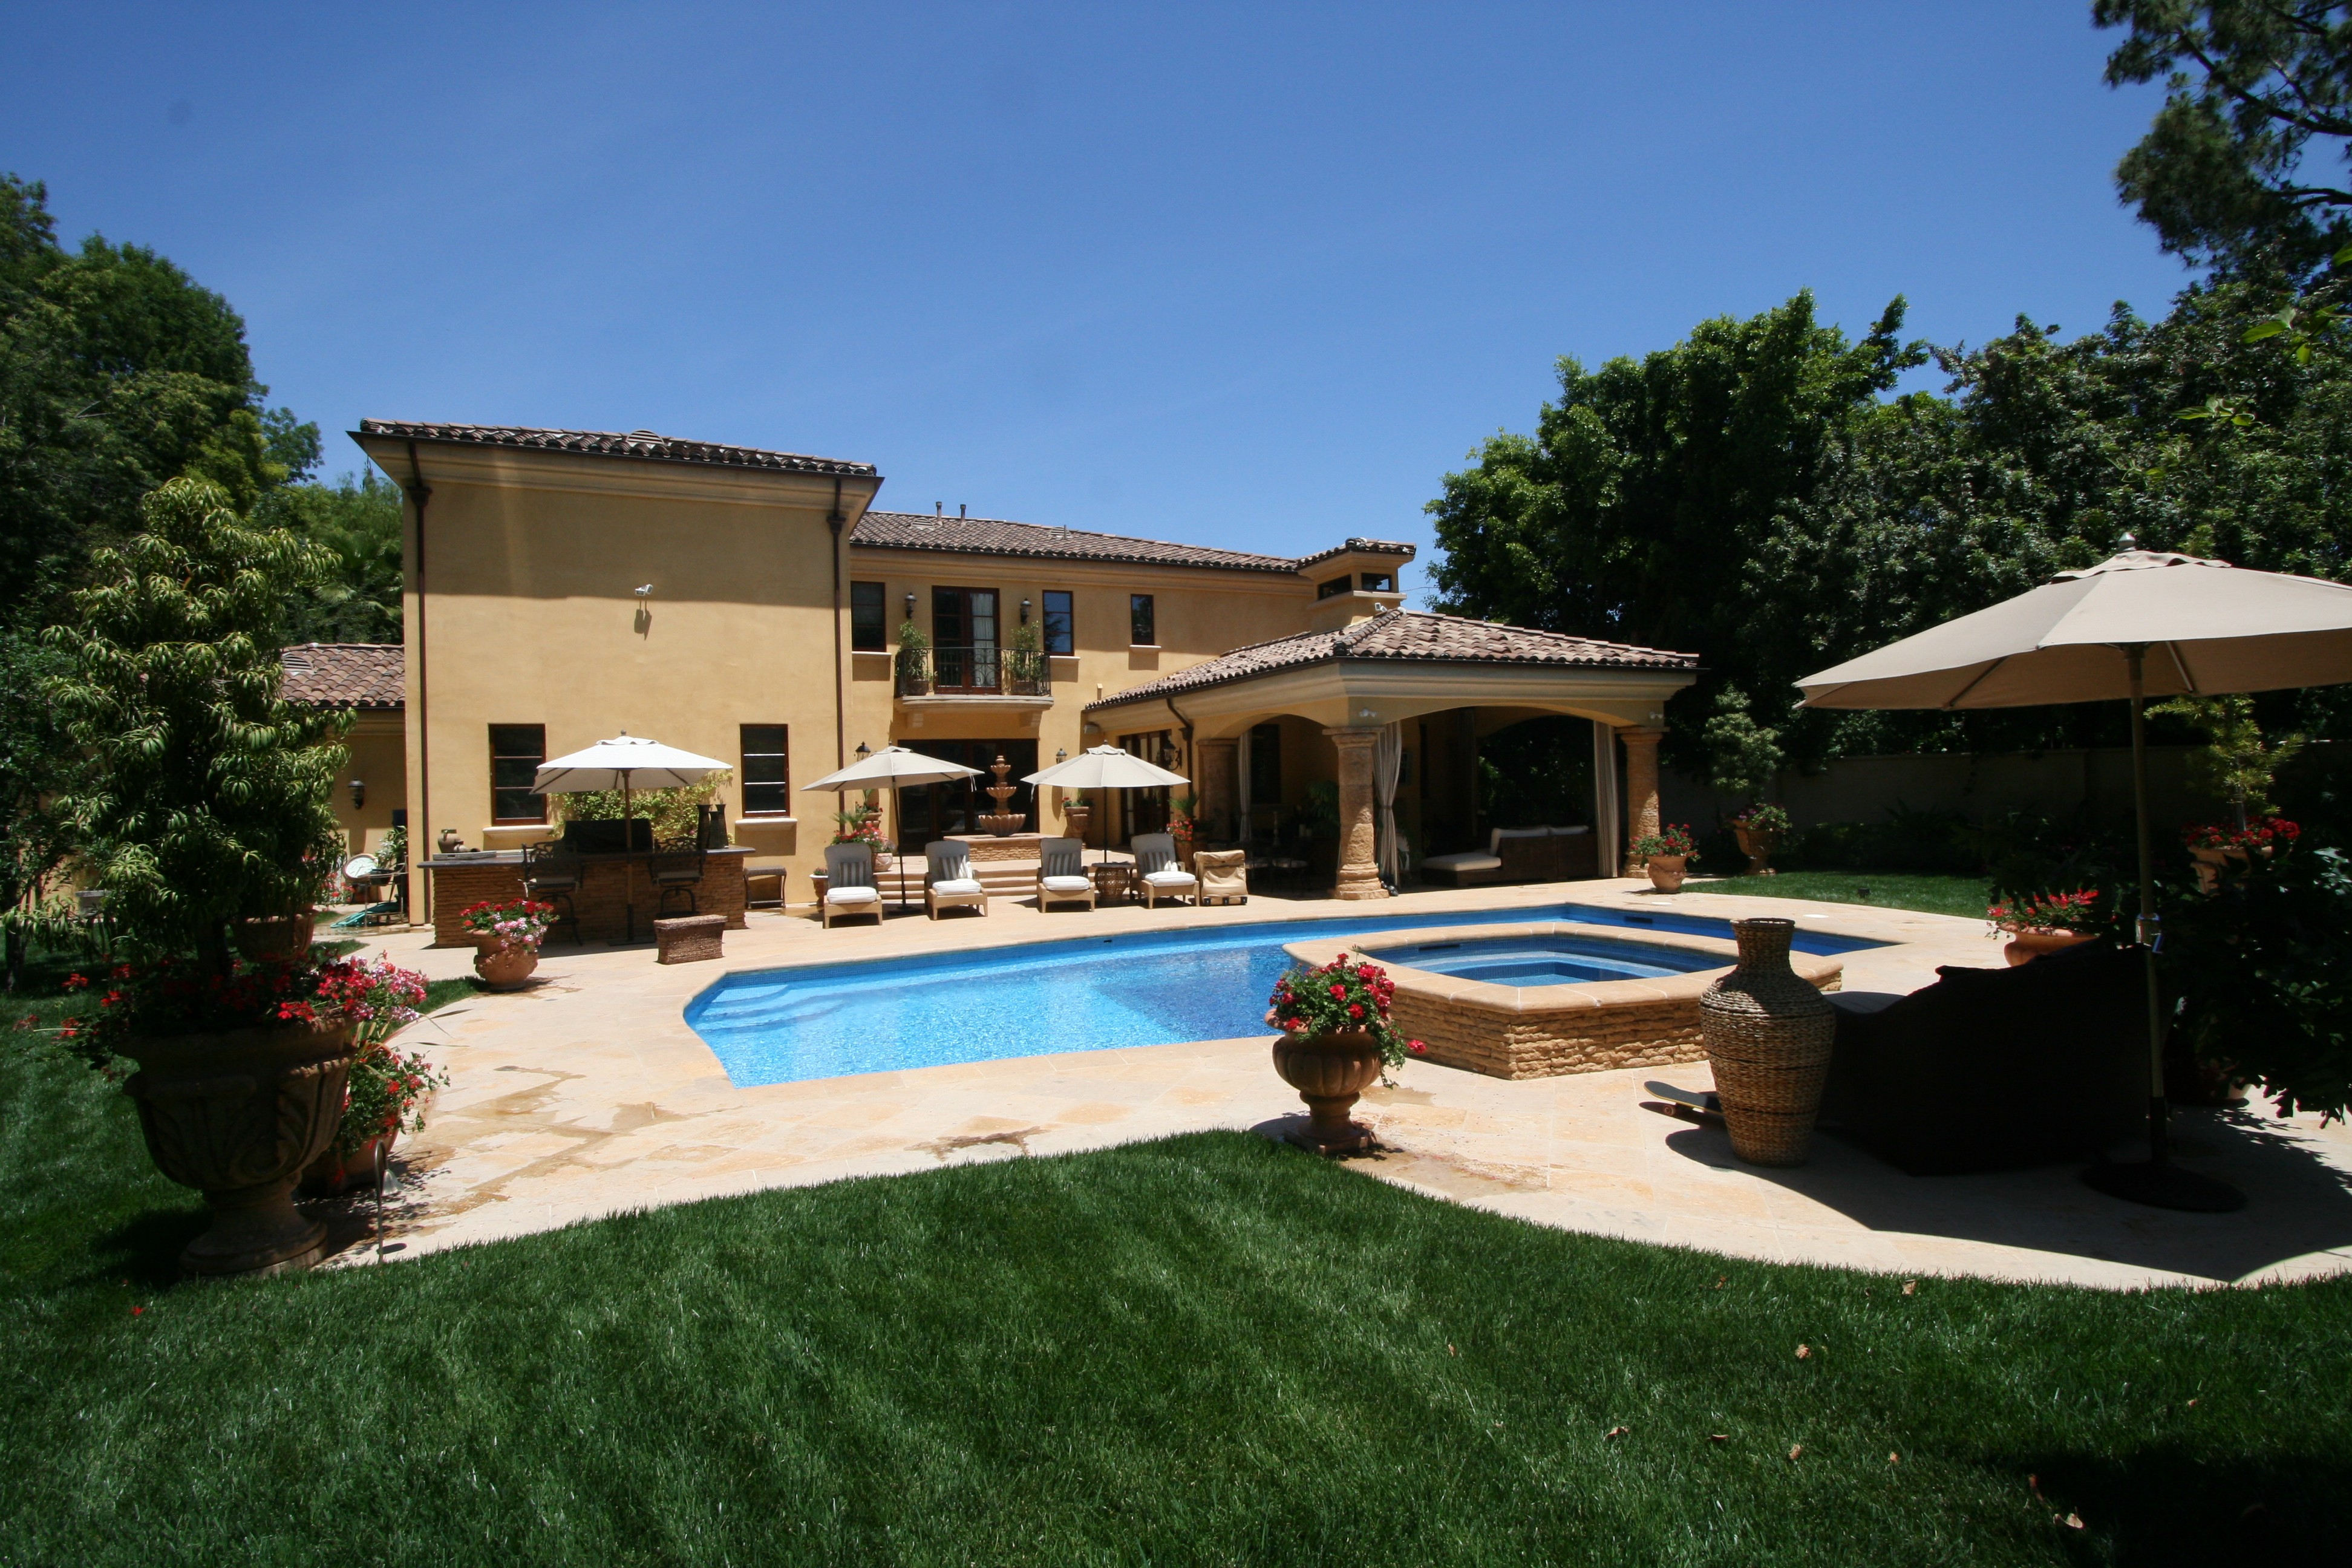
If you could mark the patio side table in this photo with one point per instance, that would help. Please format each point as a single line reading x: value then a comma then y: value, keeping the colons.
x: 1114, y: 879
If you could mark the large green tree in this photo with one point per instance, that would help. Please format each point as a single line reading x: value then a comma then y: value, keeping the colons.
x: 357, y: 521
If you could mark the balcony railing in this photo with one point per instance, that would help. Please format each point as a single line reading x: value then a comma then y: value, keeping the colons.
x: 983, y: 671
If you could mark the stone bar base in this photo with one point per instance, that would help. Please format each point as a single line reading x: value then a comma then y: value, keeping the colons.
x: 600, y: 900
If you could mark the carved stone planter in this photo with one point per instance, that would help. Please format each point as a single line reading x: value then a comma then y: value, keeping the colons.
x: 1666, y: 872
x: 281, y: 938
x: 1757, y: 845
x: 2025, y: 946
x: 1330, y: 1073
x: 239, y: 1116
x: 1768, y: 1033
x: 1075, y: 819
x: 504, y: 968
x: 330, y: 1175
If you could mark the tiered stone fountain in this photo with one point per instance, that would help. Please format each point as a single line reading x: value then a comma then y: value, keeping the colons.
x: 1003, y: 821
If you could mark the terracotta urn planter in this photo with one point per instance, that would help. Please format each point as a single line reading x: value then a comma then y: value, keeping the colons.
x: 1330, y: 1072
x: 504, y: 968
x: 2213, y: 863
x: 1768, y: 1031
x: 331, y: 1174
x: 2025, y: 946
x: 1075, y: 819
x: 1666, y: 872
x: 284, y: 938
x: 239, y: 1116
x: 1758, y: 845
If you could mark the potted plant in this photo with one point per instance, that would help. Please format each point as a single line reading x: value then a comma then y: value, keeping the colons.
x: 386, y: 1089
x: 1336, y: 1039
x: 863, y: 825
x: 913, y: 661
x: 1758, y: 829
x: 2213, y: 847
x: 1076, y: 812
x: 204, y: 797
x: 1667, y: 854
x: 1181, y: 827
x: 507, y: 933
x: 2045, y: 922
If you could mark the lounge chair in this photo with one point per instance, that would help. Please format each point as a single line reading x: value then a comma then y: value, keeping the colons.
x: 948, y: 881
x: 1224, y: 873
x: 1155, y: 862
x: 849, y: 887
x: 1062, y: 874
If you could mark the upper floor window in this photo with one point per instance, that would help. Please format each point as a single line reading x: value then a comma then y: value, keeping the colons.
x: 1061, y: 623
x: 868, y: 627
x: 516, y: 752
x: 1334, y: 585
x: 767, y: 769
x: 1379, y: 583
x: 1142, y: 628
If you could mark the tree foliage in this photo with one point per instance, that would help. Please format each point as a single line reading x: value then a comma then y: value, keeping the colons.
x: 357, y: 521
x: 2243, y: 166
x: 204, y: 795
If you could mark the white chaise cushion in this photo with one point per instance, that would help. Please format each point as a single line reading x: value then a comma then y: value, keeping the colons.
x: 1066, y: 884
x: 1464, y: 861
x: 1170, y: 878
x: 852, y: 895
x: 956, y: 884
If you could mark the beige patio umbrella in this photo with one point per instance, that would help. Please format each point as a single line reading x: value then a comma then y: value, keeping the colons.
x: 629, y: 763
x: 892, y: 768
x: 2143, y: 623
x: 1105, y: 767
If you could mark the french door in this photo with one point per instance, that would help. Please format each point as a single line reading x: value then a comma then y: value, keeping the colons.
x: 963, y: 639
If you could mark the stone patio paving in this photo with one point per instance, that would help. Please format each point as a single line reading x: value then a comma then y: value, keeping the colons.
x: 588, y: 1095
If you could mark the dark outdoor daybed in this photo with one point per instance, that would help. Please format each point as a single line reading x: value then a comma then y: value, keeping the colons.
x: 1520, y: 855
x: 1995, y: 1068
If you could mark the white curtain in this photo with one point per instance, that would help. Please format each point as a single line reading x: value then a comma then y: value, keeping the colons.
x: 1608, y: 832
x: 1240, y: 791
x: 1388, y: 762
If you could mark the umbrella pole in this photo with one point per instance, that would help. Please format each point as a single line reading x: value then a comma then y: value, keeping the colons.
x: 628, y: 870
x: 2158, y: 1183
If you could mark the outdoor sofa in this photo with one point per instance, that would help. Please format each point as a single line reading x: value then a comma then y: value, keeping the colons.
x: 1520, y: 855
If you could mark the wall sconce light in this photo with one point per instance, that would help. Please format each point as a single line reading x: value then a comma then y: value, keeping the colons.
x: 910, y: 606
x: 1025, y: 612
x: 1061, y: 754
x: 864, y: 751
x: 359, y: 794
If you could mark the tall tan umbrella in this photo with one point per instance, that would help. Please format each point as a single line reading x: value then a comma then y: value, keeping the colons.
x: 1105, y: 767
x: 2143, y: 623
x: 629, y: 763
x: 892, y: 767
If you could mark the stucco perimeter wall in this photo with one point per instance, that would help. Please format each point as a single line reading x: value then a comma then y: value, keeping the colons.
x: 1544, y: 1031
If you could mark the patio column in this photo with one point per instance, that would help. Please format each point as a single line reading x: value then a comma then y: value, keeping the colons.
x: 1641, y: 790
x: 1359, y: 867
x: 1219, y: 787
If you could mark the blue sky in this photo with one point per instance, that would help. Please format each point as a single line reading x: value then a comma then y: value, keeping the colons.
x: 1253, y: 276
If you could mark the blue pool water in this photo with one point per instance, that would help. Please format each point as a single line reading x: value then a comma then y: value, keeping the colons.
x: 782, y: 1026
x: 1547, y: 960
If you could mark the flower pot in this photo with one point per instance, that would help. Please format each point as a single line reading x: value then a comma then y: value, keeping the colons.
x: 1330, y: 1072
x: 2025, y: 946
x: 1666, y: 872
x: 331, y: 1174
x: 239, y: 1115
x: 1758, y: 845
x: 275, y: 938
x: 2213, y: 863
x: 1075, y: 819
x: 449, y: 841
x: 504, y: 968
x: 1768, y: 1033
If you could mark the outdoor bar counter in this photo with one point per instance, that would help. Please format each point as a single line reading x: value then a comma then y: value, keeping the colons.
x: 461, y: 881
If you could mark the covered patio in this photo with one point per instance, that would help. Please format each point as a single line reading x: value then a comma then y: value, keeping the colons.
x: 1393, y: 712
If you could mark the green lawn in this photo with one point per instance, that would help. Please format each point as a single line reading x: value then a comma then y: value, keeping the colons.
x: 1204, y: 1350
x: 1883, y: 890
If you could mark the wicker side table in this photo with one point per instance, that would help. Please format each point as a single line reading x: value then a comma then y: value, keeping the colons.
x: 688, y: 939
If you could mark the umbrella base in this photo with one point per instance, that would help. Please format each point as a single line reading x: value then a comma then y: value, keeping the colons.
x: 2161, y: 1185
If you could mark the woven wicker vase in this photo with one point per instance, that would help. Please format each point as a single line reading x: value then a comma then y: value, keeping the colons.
x: 1768, y: 1034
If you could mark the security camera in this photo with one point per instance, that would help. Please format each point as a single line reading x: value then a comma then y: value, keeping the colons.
x: 644, y: 589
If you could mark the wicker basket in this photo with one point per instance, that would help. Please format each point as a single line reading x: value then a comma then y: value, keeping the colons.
x: 1768, y: 1033
x: 688, y: 939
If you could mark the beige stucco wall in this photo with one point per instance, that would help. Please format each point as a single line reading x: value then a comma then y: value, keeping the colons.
x: 375, y: 753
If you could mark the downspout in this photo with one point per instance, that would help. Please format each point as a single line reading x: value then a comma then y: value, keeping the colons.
x: 1192, y: 761
x: 840, y: 708
x: 420, y: 830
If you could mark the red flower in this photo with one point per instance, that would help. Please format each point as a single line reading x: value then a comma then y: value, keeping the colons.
x: 1416, y: 1047
x: 77, y: 981
x: 1339, y: 991
x: 1355, y: 1009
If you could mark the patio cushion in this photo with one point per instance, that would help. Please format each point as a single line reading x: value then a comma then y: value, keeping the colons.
x: 1465, y: 861
x: 1170, y: 878
x: 957, y: 885
x: 1065, y: 884
x: 851, y: 896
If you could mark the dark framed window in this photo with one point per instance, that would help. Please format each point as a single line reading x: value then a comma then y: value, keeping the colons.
x: 1061, y: 623
x: 516, y: 752
x: 1331, y: 586
x: 1143, y: 630
x: 868, y: 626
x: 767, y: 769
x: 1266, y: 764
x: 1379, y: 583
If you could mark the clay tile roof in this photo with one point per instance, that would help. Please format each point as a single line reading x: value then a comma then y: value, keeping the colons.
x: 640, y: 443
x: 1410, y: 634
x: 996, y: 536
x: 343, y: 674
x: 1360, y: 547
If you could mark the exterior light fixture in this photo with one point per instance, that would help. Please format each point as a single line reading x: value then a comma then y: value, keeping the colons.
x: 910, y: 606
x: 1025, y: 612
x: 645, y: 590
x: 359, y: 794
x: 864, y: 751
x: 1061, y: 754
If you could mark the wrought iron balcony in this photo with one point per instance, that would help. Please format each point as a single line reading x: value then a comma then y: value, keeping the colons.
x: 973, y: 671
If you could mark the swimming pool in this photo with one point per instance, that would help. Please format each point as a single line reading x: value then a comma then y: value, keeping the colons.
x: 1546, y: 960
x: 1144, y: 988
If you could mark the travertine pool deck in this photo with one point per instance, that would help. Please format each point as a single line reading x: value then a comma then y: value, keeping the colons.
x: 588, y: 1095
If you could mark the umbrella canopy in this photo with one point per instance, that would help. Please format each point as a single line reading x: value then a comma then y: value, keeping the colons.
x: 625, y: 762
x: 2209, y: 628
x: 892, y: 767
x: 2144, y: 622
x: 1105, y: 767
